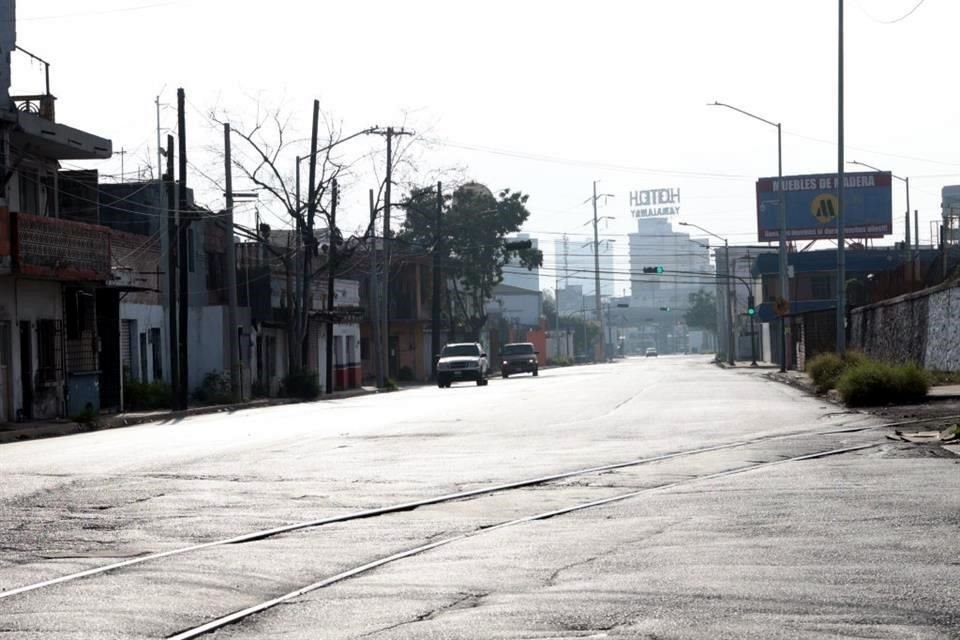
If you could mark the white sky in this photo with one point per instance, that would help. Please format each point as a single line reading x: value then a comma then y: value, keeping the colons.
x: 539, y: 96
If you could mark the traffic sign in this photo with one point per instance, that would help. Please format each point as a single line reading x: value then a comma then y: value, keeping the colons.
x: 781, y: 306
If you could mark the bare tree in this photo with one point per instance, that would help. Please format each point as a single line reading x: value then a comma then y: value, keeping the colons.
x: 267, y: 158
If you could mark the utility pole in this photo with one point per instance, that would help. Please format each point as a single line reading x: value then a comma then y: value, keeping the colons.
x: 173, y: 344
x: 388, y: 184
x: 596, y: 274
x: 159, y: 150
x: 309, y: 242
x: 121, y: 153
x: 230, y: 275
x: 385, y: 316
x: 331, y: 281
x: 297, y: 255
x: 731, y: 334
x: 841, y: 240
x: 375, y: 295
x: 183, y: 225
x: 438, y: 253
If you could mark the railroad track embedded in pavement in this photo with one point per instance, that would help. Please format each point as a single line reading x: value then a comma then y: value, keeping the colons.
x: 237, y: 616
x: 410, y: 506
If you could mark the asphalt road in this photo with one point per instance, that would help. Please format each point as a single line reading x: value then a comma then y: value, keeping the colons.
x: 726, y: 527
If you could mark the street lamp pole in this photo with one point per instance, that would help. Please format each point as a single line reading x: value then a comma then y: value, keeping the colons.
x: 784, y: 287
x: 731, y: 344
x: 841, y: 239
x: 906, y: 238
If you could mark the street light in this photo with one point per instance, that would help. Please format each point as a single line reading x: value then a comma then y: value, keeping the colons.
x: 726, y: 253
x: 784, y: 289
x: 916, y: 221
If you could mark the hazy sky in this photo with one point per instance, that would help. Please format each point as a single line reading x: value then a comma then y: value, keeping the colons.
x: 544, y: 97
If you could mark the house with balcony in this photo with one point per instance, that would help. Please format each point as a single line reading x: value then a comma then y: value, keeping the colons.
x: 50, y: 267
x: 265, y: 284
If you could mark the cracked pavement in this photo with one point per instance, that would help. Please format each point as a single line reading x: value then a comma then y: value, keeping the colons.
x: 857, y: 545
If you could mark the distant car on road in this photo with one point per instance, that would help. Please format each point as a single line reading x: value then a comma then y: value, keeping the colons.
x: 651, y: 352
x: 462, y: 361
x: 519, y: 357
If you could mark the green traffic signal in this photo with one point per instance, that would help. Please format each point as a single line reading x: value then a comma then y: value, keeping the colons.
x: 657, y: 269
x: 751, y: 306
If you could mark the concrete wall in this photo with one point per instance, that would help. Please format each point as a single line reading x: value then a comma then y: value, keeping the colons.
x: 922, y: 327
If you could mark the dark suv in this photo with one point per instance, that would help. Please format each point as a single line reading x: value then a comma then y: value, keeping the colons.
x: 518, y: 357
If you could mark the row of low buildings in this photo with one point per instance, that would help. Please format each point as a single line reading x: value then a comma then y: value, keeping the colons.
x: 873, y: 274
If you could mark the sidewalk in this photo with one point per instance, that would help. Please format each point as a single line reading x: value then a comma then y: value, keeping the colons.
x: 741, y: 364
x: 17, y: 432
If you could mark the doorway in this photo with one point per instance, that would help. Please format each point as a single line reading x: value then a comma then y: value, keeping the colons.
x: 26, y: 369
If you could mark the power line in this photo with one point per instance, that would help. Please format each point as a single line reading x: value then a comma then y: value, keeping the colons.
x: 895, y: 20
x: 84, y: 14
x: 585, y: 163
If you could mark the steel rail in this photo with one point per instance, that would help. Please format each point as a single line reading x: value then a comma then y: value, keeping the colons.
x: 236, y: 616
x: 406, y: 506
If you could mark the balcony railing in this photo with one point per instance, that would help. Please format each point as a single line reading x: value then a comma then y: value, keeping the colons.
x: 56, y: 249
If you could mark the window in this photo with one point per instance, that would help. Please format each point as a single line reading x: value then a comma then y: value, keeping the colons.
x: 29, y: 191
x: 157, y: 344
x: 128, y: 334
x: 455, y: 350
x: 820, y: 287
x: 191, y: 261
x: 143, y: 357
x: 215, y: 279
x: 271, y: 355
x: 47, y: 350
x: 518, y: 349
x: 4, y: 343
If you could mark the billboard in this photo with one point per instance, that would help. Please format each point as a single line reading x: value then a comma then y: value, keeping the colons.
x: 811, y: 206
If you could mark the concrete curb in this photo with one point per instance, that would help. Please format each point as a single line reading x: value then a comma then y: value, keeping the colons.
x: 104, y: 423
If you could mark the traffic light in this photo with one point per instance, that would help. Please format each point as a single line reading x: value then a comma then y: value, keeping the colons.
x: 517, y: 245
x: 664, y: 308
x: 751, y: 306
x: 657, y: 269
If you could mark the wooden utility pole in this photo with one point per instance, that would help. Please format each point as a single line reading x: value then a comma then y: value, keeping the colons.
x: 230, y: 275
x: 438, y: 254
x: 309, y: 241
x: 385, y: 316
x: 375, y: 295
x: 173, y: 343
x: 331, y: 281
x: 596, y: 275
x: 385, y: 302
x: 183, y: 249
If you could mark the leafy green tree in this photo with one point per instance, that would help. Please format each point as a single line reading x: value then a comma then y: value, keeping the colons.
x: 702, y: 313
x: 549, y: 308
x: 474, y: 228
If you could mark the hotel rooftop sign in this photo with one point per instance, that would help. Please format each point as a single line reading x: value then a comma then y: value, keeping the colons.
x: 654, y: 203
